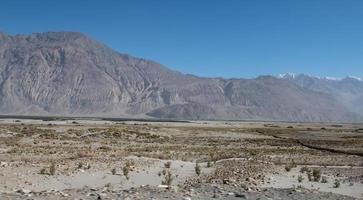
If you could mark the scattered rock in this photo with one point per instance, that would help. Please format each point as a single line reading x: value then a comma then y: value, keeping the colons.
x: 240, y: 195
x: 23, y: 191
x: 3, y: 164
x: 226, y: 181
x: 231, y: 194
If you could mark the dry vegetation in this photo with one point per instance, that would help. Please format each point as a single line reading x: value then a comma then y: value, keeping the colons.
x: 260, y: 149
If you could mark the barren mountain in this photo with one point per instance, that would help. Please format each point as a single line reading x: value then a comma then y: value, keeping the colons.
x: 66, y: 73
x: 348, y: 90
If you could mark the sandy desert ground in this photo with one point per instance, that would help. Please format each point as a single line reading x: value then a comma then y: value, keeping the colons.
x: 95, y: 159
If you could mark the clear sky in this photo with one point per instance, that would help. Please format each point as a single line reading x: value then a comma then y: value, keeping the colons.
x: 228, y: 38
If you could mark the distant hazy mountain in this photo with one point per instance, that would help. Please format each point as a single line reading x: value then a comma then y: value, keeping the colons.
x: 65, y: 73
x: 348, y: 90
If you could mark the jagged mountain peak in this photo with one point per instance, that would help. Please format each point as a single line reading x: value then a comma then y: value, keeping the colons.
x: 67, y: 73
x: 56, y: 36
x: 60, y: 36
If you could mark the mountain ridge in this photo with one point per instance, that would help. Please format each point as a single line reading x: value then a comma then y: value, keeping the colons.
x: 348, y: 90
x: 290, y: 75
x: 71, y: 74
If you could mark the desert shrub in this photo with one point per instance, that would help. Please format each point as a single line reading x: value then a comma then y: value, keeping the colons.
x: 80, y: 165
x: 316, y: 175
x: 125, y: 171
x: 336, y: 183
x: 288, y: 168
x: 253, y: 152
x: 43, y: 171
x: 168, y: 179
x: 197, y: 168
x: 300, y: 178
x: 113, y: 171
x: 310, y: 176
x: 167, y: 165
x: 130, y: 163
x: 104, y: 148
x: 209, y: 164
x: 304, y: 169
x: 324, y: 179
x: 52, y: 169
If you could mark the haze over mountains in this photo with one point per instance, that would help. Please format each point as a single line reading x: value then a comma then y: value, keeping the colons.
x: 68, y: 73
x: 348, y: 90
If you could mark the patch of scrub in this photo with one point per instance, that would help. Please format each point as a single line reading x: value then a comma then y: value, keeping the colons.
x: 284, y: 179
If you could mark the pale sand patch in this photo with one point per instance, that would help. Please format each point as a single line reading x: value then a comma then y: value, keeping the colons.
x: 286, y: 179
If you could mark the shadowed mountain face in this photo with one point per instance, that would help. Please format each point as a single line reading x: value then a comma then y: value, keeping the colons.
x: 64, y: 73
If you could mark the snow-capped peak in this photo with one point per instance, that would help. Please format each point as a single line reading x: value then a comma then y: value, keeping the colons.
x: 292, y: 76
x: 331, y: 78
x: 287, y: 75
x: 356, y: 78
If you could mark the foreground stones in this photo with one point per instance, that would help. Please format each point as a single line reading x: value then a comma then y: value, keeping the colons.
x: 202, y: 192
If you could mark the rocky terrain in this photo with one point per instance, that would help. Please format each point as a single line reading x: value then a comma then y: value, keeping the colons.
x: 70, y: 74
x: 95, y: 159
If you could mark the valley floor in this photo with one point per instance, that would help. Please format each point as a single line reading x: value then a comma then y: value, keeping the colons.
x: 94, y: 159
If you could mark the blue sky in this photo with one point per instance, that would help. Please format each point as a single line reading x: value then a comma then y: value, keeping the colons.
x: 228, y: 38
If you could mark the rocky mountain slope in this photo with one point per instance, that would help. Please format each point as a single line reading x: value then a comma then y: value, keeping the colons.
x: 348, y: 90
x: 67, y: 73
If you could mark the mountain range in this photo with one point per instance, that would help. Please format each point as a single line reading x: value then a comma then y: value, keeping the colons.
x: 70, y: 74
x: 348, y: 90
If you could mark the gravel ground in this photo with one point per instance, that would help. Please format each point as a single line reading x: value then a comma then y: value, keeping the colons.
x: 238, y: 160
x: 204, y: 192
